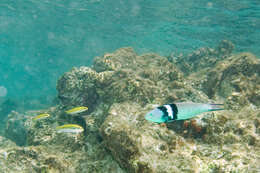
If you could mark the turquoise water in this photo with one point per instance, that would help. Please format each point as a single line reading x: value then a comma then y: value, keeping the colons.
x: 40, y: 40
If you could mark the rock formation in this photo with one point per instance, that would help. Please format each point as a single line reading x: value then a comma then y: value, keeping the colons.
x: 120, y: 88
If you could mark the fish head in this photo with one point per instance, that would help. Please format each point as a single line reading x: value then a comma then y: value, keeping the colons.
x: 157, y: 116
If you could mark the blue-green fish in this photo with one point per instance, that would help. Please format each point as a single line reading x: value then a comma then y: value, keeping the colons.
x: 180, y: 111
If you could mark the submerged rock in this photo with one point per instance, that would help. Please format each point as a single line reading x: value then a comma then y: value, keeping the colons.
x: 237, y: 79
x: 5, y: 108
x: 120, y: 76
x: 15, y: 129
x: 140, y: 146
x: 45, y: 150
x: 121, y: 87
x: 124, y: 76
x: 203, y: 58
x: 78, y: 87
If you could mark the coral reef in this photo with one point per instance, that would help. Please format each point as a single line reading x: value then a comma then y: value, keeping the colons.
x: 6, y: 107
x: 235, y: 78
x: 15, y: 129
x: 119, y: 89
x: 203, y: 58
x: 114, y: 79
x: 47, y: 151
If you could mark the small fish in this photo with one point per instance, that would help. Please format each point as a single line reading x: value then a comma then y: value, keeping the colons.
x: 69, y: 128
x: 76, y: 110
x: 180, y: 111
x: 41, y: 116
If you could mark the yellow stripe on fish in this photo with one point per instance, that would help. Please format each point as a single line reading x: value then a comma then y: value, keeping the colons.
x: 76, y: 110
x: 69, y: 128
x: 41, y: 116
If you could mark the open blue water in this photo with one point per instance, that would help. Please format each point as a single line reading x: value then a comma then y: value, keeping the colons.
x: 42, y: 39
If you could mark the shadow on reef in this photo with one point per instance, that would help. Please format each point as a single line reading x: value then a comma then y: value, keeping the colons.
x: 188, y: 128
x: 6, y: 107
x: 120, y: 88
x: 15, y: 129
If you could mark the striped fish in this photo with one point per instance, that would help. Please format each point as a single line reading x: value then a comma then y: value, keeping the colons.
x: 76, y: 110
x: 41, y: 116
x: 69, y: 128
x: 180, y: 111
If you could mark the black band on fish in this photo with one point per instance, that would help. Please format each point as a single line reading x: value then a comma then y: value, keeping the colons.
x: 170, y: 111
x: 175, y: 111
x: 164, y: 110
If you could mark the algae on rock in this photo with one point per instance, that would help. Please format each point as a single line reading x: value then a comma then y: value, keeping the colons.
x: 47, y: 151
x: 121, y: 87
x: 125, y: 130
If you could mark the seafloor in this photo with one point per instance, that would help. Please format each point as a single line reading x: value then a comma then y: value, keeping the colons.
x: 119, y: 89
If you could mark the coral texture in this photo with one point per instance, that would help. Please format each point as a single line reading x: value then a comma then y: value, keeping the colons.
x: 120, y: 88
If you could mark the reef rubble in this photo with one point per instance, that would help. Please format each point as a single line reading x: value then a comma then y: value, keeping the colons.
x: 119, y: 89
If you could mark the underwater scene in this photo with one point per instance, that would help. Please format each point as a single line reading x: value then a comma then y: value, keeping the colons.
x: 140, y: 86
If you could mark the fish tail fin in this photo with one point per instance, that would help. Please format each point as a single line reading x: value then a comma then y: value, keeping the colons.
x: 216, y: 107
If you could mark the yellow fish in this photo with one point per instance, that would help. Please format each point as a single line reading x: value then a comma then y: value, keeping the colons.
x: 41, y: 116
x: 76, y: 110
x: 69, y: 128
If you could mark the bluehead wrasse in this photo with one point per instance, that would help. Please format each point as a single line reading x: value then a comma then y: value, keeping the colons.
x: 76, y: 110
x: 41, y: 116
x: 180, y: 111
x: 69, y: 128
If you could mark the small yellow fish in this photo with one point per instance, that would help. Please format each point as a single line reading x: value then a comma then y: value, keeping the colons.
x: 76, y: 110
x: 41, y: 116
x: 69, y: 128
